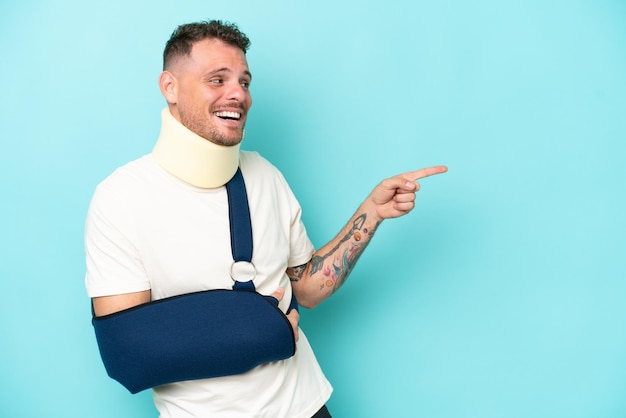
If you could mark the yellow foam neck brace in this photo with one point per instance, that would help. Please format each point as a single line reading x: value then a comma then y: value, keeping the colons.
x: 192, y: 158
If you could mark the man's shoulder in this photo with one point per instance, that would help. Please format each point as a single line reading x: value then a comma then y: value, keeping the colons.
x: 252, y: 161
x: 133, y: 173
x: 253, y: 158
x: 261, y: 175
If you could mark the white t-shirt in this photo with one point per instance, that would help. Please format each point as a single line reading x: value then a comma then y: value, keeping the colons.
x: 147, y: 229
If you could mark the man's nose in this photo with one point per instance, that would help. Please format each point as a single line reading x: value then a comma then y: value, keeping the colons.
x: 236, y: 92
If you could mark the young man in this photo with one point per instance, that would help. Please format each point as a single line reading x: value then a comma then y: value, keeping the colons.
x: 158, y: 227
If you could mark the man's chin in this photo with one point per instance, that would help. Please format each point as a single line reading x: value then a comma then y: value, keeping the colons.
x: 226, y: 142
x: 229, y: 140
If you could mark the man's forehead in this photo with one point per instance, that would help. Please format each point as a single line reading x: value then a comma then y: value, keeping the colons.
x: 216, y: 49
x: 211, y: 56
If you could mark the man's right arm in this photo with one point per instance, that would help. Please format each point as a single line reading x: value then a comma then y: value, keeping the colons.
x: 136, y: 344
x: 105, y: 305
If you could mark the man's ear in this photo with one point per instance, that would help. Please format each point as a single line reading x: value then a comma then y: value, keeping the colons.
x: 169, y: 87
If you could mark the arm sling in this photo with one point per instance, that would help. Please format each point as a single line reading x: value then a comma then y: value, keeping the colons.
x: 203, y: 334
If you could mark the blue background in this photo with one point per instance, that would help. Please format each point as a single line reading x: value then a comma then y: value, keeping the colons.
x: 501, y: 295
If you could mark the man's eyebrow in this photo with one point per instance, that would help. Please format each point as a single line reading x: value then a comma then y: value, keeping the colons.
x: 220, y: 70
x: 226, y: 70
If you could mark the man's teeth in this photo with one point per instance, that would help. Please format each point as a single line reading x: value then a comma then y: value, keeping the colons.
x: 229, y: 115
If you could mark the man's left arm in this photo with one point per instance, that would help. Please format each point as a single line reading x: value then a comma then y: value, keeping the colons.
x: 331, y: 265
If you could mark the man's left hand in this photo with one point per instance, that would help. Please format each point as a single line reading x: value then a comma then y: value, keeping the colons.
x: 395, y: 196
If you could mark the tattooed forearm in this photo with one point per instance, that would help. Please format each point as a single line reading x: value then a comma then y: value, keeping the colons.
x: 348, y: 263
x: 344, y: 255
x: 318, y: 261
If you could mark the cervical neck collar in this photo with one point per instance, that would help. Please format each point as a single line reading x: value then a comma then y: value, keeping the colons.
x: 192, y: 158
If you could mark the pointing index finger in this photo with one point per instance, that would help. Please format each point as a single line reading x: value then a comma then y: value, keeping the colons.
x: 426, y: 172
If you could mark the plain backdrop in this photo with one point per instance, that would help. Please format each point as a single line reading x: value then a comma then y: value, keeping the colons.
x: 501, y: 295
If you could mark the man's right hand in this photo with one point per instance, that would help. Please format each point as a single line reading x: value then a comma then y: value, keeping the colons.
x: 293, y: 316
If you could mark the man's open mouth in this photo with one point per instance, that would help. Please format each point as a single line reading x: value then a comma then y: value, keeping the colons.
x: 228, y: 115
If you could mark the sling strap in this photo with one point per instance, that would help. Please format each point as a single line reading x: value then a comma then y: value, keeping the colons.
x: 241, y: 237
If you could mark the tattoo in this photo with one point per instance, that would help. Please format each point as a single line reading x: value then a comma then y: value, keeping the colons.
x: 317, y: 262
x: 295, y: 273
x: 339, y: 270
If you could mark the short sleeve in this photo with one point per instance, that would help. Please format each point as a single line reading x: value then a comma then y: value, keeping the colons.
x: 113, y: 261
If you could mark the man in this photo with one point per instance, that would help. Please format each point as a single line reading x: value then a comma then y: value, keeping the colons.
x: 158, y: 227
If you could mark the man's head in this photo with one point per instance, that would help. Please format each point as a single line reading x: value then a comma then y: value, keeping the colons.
x: 182, y: 39
x: 205, y: 80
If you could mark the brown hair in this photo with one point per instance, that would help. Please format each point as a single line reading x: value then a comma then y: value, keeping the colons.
x: 183, y: 38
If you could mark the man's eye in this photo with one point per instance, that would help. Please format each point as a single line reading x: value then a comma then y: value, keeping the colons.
x: 217, y: 81
x: 245, y: 84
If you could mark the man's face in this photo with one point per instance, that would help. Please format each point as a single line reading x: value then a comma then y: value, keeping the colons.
x: 211, y: 96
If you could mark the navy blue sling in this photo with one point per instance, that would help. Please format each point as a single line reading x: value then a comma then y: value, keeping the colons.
x: 203, y: 334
